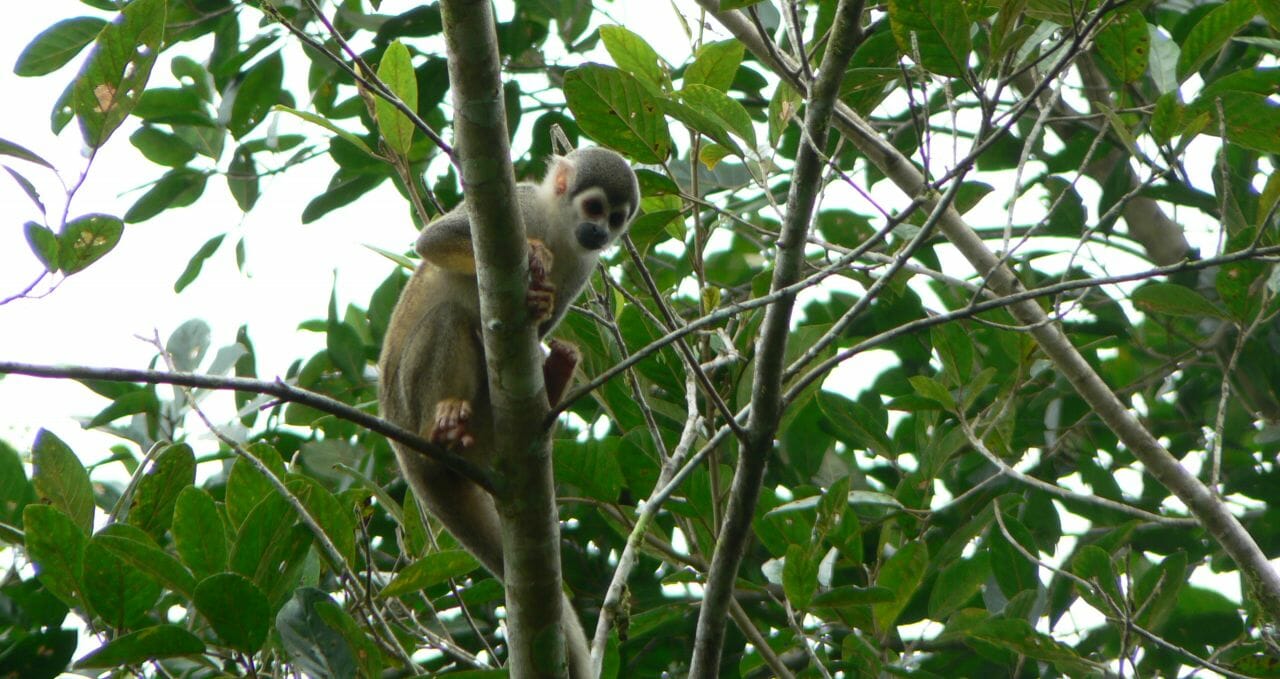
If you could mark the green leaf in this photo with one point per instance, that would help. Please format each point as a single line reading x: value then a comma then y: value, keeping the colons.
x: 783, y: 106
x: 366, y: 651
x: 396, y: 70
x: 161, y: 147
x: 242, y: 178
x: 632, y: 54
x: 177, y: 188
x: 60, y: 480
x: 1208, y: 36
x: 429, y: 570
x: 257, y: 93
x: 344, y: 188
x: 138, y: 549
x: 1252, y: 120
x: 957, y: 583
x: 933, y: 390
x: 197, y: 261
x: 1093, y: 564
x: 852, y: 595
x: 246, y: 486
x: 44, y: 243
x: 117, y: 69
x: 900, y: 574
x: 160, y: 641
x: 590, y: 465
x: 43, y: 653
x: 56, y: 545
x: 236, y: 609
x: 86, y: 239
x: 198, y: 533
x: 16, y: 492
x: 172, y: 471
x: 1125, y: 44
x: 120, y: 594
x: 616, y: 110
x: 726, y: 110
x: 314, y: 645
x: 933, y: 32
x: 715, y: 65
x: 8, y: 148
x: 324, y: 122
x: 1175, y: 300
x: 337, y: 521
x: 855, y: 424
x: 1019, y: 637
x: 57, y: 45
x: 800, y: 575
x: 1157, y: 591
x: 1013, y: 571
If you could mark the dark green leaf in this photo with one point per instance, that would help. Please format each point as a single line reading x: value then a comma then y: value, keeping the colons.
x: 177, y: 188
x: 160, y: 641
x: 429, y: 570
x: 236, y: 609
x: 800, y: 575
x: 616, y: 110
x: 43, y: 654
x: 1175, y: 300
x: 344, y: 188
x: 57, y: 45
x: 934, y: 33
x: 16, y: 492
x: 1212, y: 32
x: 44, y: 243
x: 957, y: 583
x: 851, y: 595
x: 140, y: 551
x: 337, y: 521
x: 1014, y: 572
x: 258, y: 92
x: 590, y: 465
x: 172, y: 471
x: 1124, y: 44
x: 728, y: 111
x: 1019, y: 637
x: 56, y: 545
x: 86, y: 239
x: 161, y: 147
x: 900, y: 574
x: 197, y: 261
x: 61, y: 481
x: 246, y: 486
x: 315, y: 646
x: 242, y: 178
x: 120, y: 594
x: 8, y: 148
x: 117, y: 69
x: 198, y: 532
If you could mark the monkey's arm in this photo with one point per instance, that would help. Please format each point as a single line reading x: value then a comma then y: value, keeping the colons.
x: 446, y: 243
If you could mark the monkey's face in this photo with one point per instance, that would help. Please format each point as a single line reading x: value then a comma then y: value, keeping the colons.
x: 599, y: 222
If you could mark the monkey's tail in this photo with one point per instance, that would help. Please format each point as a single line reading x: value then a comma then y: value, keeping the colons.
x: 468, y: 512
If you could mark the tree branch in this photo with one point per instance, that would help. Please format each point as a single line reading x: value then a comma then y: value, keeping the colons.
x: 526, y: 491
x: 278, y: 389
x: 766, y: 396
x: 1225, y: 528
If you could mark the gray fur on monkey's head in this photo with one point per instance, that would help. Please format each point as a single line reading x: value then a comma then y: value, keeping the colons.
x: 599, y: 167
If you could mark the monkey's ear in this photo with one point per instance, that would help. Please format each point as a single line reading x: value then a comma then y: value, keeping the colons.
x: 561, y: 174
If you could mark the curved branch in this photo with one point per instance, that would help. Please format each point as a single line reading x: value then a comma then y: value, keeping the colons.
x: 278, y: 389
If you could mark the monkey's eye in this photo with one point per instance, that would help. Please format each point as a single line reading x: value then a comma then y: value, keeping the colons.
x: 593, y: 208
x: 616, y: 219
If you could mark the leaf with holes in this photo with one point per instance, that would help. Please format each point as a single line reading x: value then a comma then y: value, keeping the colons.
x: 117, y: 69
x: 616, y: 110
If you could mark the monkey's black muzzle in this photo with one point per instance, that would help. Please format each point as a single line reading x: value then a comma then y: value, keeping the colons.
x: 592, y: 236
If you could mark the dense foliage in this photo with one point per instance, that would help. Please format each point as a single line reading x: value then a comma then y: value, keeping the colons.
x: 947, y: 506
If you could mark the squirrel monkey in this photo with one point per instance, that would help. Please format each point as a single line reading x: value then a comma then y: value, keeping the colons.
x: 433, y: 377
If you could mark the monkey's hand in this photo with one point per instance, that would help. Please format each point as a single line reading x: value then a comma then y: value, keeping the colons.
x: 450, y: 425
x: 542, y: 294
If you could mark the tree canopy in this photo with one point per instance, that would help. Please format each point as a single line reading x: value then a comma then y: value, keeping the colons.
x: 944, y: 343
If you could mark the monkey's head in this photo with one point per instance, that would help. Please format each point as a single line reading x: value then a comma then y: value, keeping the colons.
x: 599, y: 191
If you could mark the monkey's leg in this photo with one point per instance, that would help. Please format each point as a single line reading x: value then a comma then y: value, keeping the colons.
x: 557, y: 370
x: 450, y: 426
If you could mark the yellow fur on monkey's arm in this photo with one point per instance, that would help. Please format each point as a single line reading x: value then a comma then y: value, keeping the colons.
x: 446, y: 243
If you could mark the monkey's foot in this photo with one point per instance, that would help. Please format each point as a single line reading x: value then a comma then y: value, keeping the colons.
x: 557, y: 370
x: 542, y: 294
x: 450, y: 427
